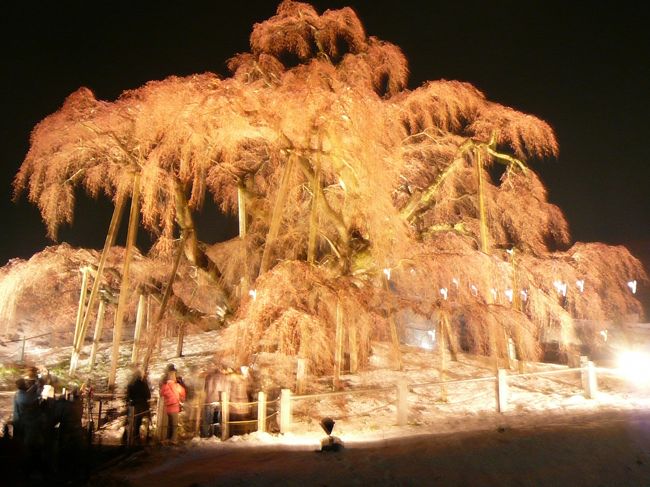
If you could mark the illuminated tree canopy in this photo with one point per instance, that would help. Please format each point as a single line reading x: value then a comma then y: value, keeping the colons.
x: 340, y: 175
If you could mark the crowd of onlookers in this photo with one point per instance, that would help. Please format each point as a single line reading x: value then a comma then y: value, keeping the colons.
x: 48, y: 437
x: 192, y: 401
x: 50, y: 441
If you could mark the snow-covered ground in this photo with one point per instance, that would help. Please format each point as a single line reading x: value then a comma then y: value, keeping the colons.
x: 368, y: 420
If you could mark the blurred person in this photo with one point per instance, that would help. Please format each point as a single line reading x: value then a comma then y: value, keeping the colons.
x: 240, y: 409
x: 30, y: 417
x: 173, y: 395
x: 138, y: 394
x: 216, y: 382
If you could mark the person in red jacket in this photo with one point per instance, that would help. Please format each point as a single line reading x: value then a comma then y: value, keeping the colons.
x: 173, y: 395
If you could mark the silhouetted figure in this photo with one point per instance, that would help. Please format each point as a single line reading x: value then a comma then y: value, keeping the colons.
x: 138, y: 395
x: 240, y: 409
x: 71, y: 446
x: 29, y: 416
x: 216, y: 382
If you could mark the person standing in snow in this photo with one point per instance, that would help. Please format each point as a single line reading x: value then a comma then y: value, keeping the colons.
x: 216, y: 382
x: 138, y: 395
x: 173, y: 395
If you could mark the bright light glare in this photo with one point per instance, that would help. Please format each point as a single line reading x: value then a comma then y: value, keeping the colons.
x: 387, y: 273
x: 253, y: 294
x: 634, y: 366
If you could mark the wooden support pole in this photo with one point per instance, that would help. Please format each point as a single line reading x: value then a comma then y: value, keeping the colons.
x: 139, y: 321
x: 78, y: 339
x: 97, y: 336
x: 261, y: 412
x: 154, y: 334
x: 22, y: 350
x: 181, y: 337
x: 301, y: 375
x: 243, y: 228
x: 94, y: 292
x: 124, y: 286
x: 285, y: 410
x: 225, y: 415
x: 313, y: 215
x: 402, y: 402
x: 502, y: 390
x: 130, y: 431
x: 443, y: 360
x: 354, y: 348
x: 161, y: 420
x: 483, y: 228
x: 276, y: 216
x: 397, y: 353
x: 446, y: 329
x: 338, y: 351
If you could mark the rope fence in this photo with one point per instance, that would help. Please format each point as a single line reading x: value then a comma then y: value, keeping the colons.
x: 235, y: 417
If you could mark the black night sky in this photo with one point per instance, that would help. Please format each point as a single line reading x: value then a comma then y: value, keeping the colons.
x: 581, y: 66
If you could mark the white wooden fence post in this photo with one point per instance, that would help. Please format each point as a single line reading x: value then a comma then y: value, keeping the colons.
x: 402, y: 402
x: 285, y: 410
x: 502, y: 390
x: 590, y: 380
x: 225, y: 415
x: 261, y: 412
x: 583, y: 373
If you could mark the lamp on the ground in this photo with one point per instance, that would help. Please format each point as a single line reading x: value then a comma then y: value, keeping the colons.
x: 331, y: 443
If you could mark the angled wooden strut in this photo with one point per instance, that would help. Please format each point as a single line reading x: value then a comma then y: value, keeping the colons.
x: 155, y: 326
x: 110, y: 241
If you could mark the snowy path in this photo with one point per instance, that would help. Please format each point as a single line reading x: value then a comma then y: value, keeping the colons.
x: 595, y: 449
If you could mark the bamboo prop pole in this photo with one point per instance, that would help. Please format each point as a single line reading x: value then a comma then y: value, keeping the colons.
x: 139, y: 320
x: 481, y: 202
x: 354, y: 348
x: 443, y: 359
x: 276, y: 218
x: 74, y: 358
x: 446, y: 329
x: 181, y: 337
x: 301, y: 375
x: 99, y: 326
x: 243, y: 225
x: 516, y: 302
x: 313, y: 215
x: 494, y: 353
x: 109, y: 242
x: 154, y: 333
x: 397, y: 353
x: 124, y: 285
x: 338, y: 351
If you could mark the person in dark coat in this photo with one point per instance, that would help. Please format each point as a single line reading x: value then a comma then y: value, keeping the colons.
x: 71, y: 443
x: 28, y: 414
x: 138, y: 394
